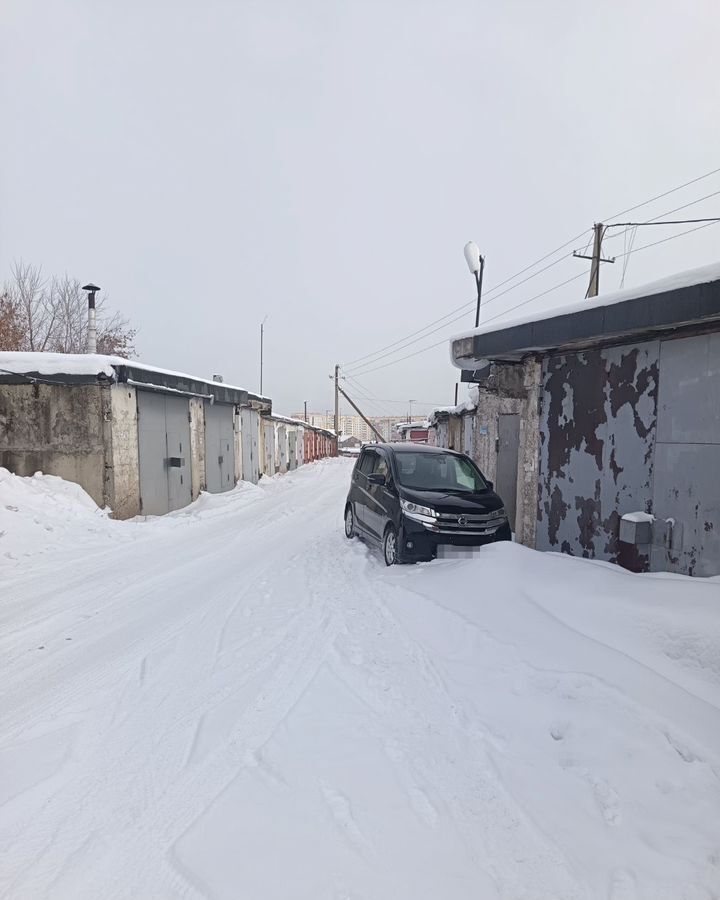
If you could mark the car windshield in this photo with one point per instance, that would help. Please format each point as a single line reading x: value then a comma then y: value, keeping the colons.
x: 427, y: 471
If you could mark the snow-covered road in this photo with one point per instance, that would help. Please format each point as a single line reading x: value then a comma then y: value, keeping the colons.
x: 235, y: 702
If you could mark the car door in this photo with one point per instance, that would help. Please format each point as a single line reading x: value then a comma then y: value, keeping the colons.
x: 361, y: 493
x: 379, y: 497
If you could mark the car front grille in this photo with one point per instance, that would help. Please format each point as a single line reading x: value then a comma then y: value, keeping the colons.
x: 459, y: 523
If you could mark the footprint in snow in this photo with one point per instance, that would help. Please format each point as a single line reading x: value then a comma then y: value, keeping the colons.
x: 341, y: 811
x: 558, y: 730
x: 423, y: 807
x: 623, y: 885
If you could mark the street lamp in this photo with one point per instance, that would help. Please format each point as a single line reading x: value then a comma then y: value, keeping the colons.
x: 262, y: 338
x: 476, y: 264
x: 92, y: 289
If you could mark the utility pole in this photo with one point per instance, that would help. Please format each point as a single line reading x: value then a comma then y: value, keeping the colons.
x: 262, y: 335
x: 362, y: 416
x: 306, y: 410
x: 337, y: 401
x: 595, y: 260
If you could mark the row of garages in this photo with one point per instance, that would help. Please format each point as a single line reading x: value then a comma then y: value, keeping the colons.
x: 140, y: 440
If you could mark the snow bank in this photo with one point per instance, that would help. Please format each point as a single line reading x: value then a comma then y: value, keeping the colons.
x: 44, y: 513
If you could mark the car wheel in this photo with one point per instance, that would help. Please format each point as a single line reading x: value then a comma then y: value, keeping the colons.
x: 349, y: 523
x: 390, y: 546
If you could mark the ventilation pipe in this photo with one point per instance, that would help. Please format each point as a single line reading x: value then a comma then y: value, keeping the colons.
x: 92, y: 289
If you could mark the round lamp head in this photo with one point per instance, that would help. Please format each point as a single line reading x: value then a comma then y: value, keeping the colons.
x: 472, y: 256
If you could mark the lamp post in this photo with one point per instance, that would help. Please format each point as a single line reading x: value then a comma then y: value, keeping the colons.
x: 476, y: 264
x: 262, y: 338
x: 92, y: 289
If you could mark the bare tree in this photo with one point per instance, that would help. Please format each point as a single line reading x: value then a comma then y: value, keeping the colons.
x: 51, y: 315
x: 12, y: 324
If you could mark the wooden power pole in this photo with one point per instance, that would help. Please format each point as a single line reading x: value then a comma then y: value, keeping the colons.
x: 595, y: 260
x: 362, y: 415
x: 337, y: 401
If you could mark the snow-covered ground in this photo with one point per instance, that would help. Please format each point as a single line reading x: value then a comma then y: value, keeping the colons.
x: 235, y: 702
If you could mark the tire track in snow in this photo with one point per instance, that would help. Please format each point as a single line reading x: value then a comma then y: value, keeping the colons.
x: 45, y: 860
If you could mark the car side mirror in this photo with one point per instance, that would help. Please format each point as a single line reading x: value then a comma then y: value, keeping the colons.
x: 376, y: 478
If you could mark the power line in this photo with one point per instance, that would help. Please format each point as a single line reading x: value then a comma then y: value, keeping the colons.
x: 668, y: 222
x: 378, y: 356
x: 371, y: 396
x: 472, y: 302
x: 444, y: 340
x: 671, y: 237
x: 655, y: 219
x: 664, y: 194
x: 369, y: 358
x: 359, y: 364
x: 544, y: 293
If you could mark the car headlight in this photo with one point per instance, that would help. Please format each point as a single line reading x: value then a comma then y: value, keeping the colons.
x: 419, y: 513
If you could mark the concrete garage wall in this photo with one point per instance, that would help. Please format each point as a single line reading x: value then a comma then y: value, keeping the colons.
x: 237, y: 436
x: 197, y: 446
x: 124, y: 477
x: 58, y: 430
x: 512, y: 390
x: 597, y: 433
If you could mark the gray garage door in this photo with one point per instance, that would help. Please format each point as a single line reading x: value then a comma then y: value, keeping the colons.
x: 164, y: 452
x: 686, y: 488
x: 219, y: 447
x: 249, y: 426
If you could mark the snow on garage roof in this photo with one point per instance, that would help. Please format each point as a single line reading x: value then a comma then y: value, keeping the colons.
x: 88, y: 366
x: 92, y: 364
x: 679, y: 300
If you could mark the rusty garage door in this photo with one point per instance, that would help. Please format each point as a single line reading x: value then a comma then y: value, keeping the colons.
x: 597, y: 432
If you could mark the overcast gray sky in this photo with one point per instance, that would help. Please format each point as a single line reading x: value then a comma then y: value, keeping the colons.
x: 323, y: 163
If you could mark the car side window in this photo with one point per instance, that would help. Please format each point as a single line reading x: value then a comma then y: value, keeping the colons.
x: 367, y: 462
x: 382, y: 467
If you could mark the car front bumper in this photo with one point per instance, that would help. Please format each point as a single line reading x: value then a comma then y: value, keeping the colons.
x: 416, y: 542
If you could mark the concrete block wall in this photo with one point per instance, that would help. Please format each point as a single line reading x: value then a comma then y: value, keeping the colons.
x: 123, y: 493
x: 198, y: 474
x: 58, y: 430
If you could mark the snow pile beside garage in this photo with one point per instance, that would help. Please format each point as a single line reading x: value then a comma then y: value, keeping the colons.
x: 43, y: 513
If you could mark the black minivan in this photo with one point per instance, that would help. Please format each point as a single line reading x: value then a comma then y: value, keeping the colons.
x: 411, y: 498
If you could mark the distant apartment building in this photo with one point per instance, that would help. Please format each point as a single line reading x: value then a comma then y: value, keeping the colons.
x: 354, y: 425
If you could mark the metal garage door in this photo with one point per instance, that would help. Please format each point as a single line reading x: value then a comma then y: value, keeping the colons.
x: 249, y: 426
x: 219, y: 447
x: 164, y: 452
x: 686, y: 486
x: 292, y: 448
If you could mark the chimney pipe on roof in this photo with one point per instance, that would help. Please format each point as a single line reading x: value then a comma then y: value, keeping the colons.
x: 92, y: 289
